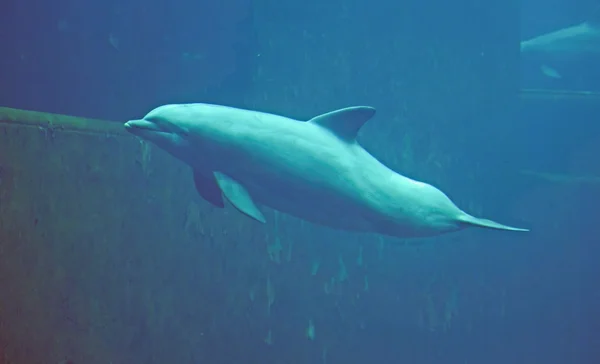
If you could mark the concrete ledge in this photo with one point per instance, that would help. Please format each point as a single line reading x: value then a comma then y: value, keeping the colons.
x: 59, y: 122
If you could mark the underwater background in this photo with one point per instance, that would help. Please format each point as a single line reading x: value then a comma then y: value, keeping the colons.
x: 108, y: 255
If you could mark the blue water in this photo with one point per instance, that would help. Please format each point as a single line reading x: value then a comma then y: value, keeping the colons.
x: 444, y: 77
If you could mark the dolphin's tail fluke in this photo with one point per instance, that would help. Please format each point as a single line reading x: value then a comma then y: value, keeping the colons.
x: 487, y: 224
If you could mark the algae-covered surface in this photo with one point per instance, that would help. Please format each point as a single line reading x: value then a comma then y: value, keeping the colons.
x: 80, y: 217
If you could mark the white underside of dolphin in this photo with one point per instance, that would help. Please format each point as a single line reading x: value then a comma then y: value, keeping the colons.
x: 314, y: 170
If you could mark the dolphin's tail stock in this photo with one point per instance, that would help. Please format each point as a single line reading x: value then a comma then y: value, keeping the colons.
x: 487, y: 224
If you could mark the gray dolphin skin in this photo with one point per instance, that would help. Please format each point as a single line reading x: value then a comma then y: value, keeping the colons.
x: 573, y: 42
x: 314, y: 170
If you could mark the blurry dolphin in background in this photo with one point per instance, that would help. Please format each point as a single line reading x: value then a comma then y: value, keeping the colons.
x: 573, y: 42
x: 314, y: 170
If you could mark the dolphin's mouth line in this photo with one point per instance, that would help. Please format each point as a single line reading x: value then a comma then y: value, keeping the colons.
x: 143, y: 125
x: 154, y: 127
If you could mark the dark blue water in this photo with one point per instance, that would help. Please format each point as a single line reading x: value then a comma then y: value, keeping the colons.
x: 445, y: 78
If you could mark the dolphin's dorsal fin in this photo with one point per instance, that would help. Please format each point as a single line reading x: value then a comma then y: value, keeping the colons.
x: 208, y: 188
x: 238, y: 196
x: 345, y: 123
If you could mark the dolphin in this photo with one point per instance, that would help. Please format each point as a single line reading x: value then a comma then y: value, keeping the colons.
x: 314, y: 170
x: 574, y: 42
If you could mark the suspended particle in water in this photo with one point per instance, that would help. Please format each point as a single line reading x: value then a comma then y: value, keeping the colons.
x: 310, y: 330
x: 269, y: 338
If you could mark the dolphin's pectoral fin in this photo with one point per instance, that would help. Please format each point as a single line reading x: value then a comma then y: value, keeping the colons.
x: 208, y: 188
x: 238, y: 196
x: 345, y: 123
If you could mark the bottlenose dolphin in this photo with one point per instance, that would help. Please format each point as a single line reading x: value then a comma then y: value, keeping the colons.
x: 569, y: 43
x: 314, y: 170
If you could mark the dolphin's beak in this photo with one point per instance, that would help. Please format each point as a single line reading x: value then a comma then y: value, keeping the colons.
x: 129, y: 126
x: 141, y: 125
